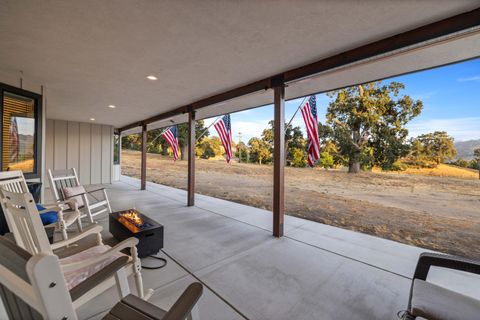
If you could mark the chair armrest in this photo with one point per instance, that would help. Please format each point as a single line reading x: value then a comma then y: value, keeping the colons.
x: 184, y: 305
x: 428, y: 260
x: 98, y: 277
x: 95, y: 190
x: 127, y: 243
x: 93, y: 229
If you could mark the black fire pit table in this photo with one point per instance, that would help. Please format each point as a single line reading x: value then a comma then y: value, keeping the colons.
x: 131, y: 223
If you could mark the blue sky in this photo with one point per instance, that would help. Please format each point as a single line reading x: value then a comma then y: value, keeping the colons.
x: 450, y: 95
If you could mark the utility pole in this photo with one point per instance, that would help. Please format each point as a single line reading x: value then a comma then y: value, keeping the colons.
x: 238, y: 148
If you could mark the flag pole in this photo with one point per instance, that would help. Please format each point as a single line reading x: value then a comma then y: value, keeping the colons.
x: 160, y: 135
x: 205, y: 131
x: 291, y: 119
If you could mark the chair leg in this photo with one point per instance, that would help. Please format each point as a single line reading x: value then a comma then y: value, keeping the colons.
x: 63, y: 228
x: 99, y: 239
x: 137, y: 266
x: 79, y: 224
x: 108, y: 202
x: 87, y: 207
x: 122, y: 283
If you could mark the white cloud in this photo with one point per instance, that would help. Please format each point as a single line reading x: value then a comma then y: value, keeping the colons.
x: 474, y: 78
x: 424, y: 95
x: 460, y: 128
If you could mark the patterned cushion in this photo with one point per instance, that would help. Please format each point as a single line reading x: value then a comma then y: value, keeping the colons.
x: 70, y: 192
x: 74, y: 278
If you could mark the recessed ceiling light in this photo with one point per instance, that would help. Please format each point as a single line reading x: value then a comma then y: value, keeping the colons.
x: 112, y: 106
x: 92, y: 119
x: 150, y: 77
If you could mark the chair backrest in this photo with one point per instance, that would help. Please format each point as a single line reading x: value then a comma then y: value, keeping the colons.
x: 32, y: 287
x: 60, y: 179
x: 23, y: 214
x: 13, y: 181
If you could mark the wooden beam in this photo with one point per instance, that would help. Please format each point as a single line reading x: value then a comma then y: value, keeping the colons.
x: 143, y: 169
x: 191, y: 159
x: 415, y: 36
x: 402, y: 40
x: 264, y: 84
x: 279, y: 160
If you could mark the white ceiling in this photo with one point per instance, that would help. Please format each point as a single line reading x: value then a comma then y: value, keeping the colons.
x: 89, y: 54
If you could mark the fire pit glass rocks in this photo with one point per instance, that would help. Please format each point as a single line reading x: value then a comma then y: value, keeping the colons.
x: 131, y: 223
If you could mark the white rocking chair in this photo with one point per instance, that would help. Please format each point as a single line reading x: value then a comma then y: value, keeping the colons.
x: 77, y: 266
x: 67, y: 211
x: 32, y: 287
x: 94, y: 202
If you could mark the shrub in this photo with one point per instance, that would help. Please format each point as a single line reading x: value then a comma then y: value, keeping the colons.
x: 398, y: 166
x: 298, y: 158
x: 326, y: 160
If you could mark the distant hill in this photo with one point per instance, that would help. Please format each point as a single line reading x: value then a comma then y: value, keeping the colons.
x: 465, y: 148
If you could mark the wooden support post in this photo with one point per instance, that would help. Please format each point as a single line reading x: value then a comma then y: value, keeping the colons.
x: 143, y: 170
x: 278, y: 158
x: 191, y: 158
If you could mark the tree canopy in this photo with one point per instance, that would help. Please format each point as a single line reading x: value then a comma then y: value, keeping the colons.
x: 371, y: 116
x: 437, y: 146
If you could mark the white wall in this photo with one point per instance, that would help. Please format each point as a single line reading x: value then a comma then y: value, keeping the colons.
x: 85, y: 146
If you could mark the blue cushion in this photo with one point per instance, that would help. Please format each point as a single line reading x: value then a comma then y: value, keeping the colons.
x: 48, y: 217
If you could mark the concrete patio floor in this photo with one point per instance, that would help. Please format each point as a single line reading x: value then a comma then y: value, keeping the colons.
x: 314, y: 272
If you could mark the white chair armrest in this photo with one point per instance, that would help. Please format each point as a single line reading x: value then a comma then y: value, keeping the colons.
x: 93, y: 229
x: 127, y: 243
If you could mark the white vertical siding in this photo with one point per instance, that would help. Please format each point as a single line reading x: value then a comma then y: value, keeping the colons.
x: 96, y: 155
x: 73, y: 143
x: 85, y: 150
x: 107, y: 140
x: 49, y: 153
x: 60, y: 143
x: 84, y: 146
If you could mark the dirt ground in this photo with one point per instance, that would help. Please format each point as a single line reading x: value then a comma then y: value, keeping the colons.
x: 438, y: 213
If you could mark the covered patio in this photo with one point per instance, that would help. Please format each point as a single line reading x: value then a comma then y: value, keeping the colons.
x: 314, y: 272
x: 97, y: 71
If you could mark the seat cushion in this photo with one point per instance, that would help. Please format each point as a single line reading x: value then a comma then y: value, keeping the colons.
x: 76, y: 277
x: 48, y: 217
x: 433, y: 302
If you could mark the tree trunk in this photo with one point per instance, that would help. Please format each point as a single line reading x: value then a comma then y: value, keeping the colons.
x: 184, y: 150
x: 354, y: 159
x: 354, y: 166
x: 164, y: 149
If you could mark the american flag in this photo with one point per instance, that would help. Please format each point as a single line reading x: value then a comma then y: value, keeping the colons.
x: 171, y: 135
x: 224, y: 130
x: 309, y: 114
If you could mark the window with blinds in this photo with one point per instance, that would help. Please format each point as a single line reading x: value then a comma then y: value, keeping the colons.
x: 19, y: 136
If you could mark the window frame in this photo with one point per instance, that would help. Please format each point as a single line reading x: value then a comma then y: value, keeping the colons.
x: 117, y: 144
x: 38, y: 116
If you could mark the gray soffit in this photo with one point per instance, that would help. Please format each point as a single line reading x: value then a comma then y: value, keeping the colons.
x: 90, y: 54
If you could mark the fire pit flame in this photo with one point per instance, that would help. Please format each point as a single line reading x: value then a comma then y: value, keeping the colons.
x: 133, y: 217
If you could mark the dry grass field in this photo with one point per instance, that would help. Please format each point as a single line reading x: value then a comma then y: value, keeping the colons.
x: 429, y: 210
x: 445, y: 170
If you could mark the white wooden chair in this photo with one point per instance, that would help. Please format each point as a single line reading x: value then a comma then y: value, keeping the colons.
x: 94, y: 202
x: 78, y: 263
x: 32, y: 287
x: 67, y: 211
